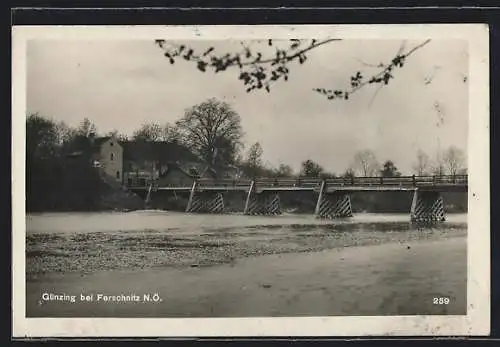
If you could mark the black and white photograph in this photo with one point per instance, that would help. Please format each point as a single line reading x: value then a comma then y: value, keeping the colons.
x: 233, y: 173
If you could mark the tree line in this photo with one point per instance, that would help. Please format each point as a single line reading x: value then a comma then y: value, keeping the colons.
x: 212, y: 130
x: 59, y: 175
x: 59, y: 170
x: 213, y: 133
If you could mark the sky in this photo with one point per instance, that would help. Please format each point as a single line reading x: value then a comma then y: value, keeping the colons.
x: 121, y: 84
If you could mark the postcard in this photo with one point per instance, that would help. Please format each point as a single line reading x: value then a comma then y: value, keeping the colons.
x: 267, y: 180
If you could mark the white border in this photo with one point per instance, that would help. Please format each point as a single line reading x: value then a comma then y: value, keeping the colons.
x: 477, y: 321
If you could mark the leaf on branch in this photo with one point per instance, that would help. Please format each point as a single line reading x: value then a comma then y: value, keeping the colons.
x: 238, y: 61
x: 160, y: 42
x: 189, y: 54
x: 295, y: 44
x: 278, y: 56
x: 243, y: 76
x: 207, y: 52
x: 387, y: 77
x: 398, y: 61
x: 202, y: 66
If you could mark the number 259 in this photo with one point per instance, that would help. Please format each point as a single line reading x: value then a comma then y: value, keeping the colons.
x: 441, y: 301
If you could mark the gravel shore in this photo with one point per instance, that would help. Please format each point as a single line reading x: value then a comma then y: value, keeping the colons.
x: 141, y: 249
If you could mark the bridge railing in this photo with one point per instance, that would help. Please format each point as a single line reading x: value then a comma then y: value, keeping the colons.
x: 371, y: 181
x: 442, y: 180
x: 205, y: 182
x: 287, y: 182
x: 398, y: 181
x: 307, y: 182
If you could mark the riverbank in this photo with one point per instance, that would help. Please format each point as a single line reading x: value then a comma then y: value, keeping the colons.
x: 388, y: 279
x: 92, y: 242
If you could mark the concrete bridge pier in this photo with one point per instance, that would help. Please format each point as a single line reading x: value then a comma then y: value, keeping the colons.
x: 205, y: 201
x: 333, y: 205
x: 427, y: 206
x: 263, y: 203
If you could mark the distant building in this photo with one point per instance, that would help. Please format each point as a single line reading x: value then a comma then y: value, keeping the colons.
x: 144, y: 162
x: 175, y: 175
x: 107, y: 155
x: 148, y: 161
x: 226, y: 172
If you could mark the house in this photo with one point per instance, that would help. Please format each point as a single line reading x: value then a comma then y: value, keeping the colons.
x: 175, y: 175
x: 107, y: 155
x: 139, y: 162
x: 147, y: 161
x: 230, y: 172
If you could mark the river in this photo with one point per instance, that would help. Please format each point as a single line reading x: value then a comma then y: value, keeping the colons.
x: 237, y: 265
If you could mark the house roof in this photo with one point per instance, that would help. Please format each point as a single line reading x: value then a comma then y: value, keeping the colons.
x: 100, y: 140
x: 208, y: 172
x: 148, y: 150
x: 171, y: 167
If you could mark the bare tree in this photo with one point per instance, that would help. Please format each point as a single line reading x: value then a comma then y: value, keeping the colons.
x: 115, y: 133
x: 365, y: 162
x: 65, y: 133
x: 212, y: 130
x: 283, y: 170
x: 349, y: 173
x: 171, y: 133
x: 150, y: 131
x: 438, y: 167
x: 254, y: 159
x: 422, y: 164
x: 454, y: 160
x: 261, y: 68
x: 87, y: 128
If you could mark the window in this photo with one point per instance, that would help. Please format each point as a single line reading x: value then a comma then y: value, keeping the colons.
x: 117, y: 175
x: 112, y: 156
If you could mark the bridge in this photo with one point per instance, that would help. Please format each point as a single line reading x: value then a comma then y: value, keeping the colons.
x: 333, y: 194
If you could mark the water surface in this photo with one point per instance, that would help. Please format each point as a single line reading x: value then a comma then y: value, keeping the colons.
x: 245, y: 266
